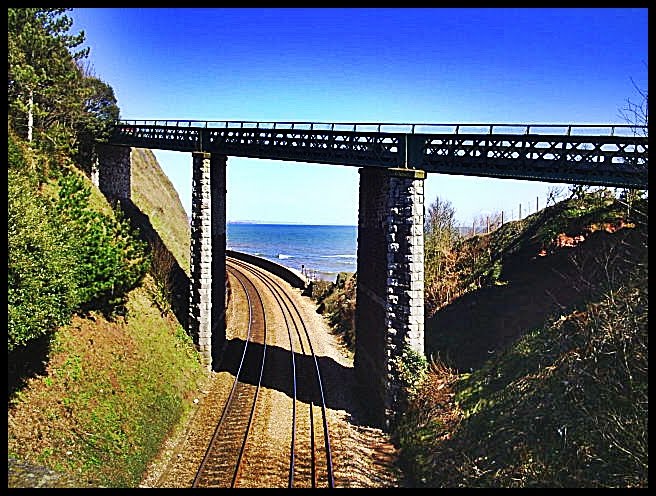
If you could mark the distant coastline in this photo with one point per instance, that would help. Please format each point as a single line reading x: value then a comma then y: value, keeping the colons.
x: 283, y: 223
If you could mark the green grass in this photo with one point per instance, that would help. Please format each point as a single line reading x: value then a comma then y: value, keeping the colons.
x: 154, y: 194
x: 112, y: 393
x: 113, y: 390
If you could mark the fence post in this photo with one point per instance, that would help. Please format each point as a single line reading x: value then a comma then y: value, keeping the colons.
x: 520, y: 212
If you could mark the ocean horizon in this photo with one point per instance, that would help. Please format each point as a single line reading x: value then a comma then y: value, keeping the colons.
x: 324, y: 250
x: 284, y: 223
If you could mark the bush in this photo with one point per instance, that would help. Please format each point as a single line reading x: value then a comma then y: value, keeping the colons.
x: 63, y: 257
x: 15, y: 156
x: 111, y: 260
x: 412, y: 367
x: 337, y: 302
x: 41, y: 274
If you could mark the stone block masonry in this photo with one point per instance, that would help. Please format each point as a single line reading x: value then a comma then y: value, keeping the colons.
x: 207, y: 290
x: 218, y: 169
x: 200, y: 294
x: 208, y: 245
x: 390, y: 287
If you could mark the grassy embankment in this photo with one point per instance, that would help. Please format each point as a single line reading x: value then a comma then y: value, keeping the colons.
x: 113, y: 390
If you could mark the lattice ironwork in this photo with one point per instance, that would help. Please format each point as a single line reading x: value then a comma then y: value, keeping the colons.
x: 609, y: 155
x: 602, y: 160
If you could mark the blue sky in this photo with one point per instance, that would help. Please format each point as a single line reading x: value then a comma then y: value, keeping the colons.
x: 518, y: 65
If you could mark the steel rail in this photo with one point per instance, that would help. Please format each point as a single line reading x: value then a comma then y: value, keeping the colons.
x: 229, y: 402
x: 283, y: 306
x: 278, y: 292
x: 275, y: 288
x: 292, y: 457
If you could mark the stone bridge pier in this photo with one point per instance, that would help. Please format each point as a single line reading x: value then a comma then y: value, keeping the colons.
x: 113, y: 173
x: 389, y: 315
x: 208, y: 263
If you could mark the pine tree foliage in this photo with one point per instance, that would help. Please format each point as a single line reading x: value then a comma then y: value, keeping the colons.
x: 110, y: 258
x: 50, y: 97
x: 64, y: 257
x: 41, y: 291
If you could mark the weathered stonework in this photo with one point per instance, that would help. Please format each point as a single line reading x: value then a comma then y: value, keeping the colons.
x: 113, y: 172
x: 207, y: 292
x: 390, y: 287
x: 200, y: 292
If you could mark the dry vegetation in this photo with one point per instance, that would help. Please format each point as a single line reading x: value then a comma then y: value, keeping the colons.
x: 538, y: 361
x: 546, y: 383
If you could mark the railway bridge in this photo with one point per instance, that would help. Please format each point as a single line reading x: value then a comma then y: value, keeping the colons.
x: 393, y: 160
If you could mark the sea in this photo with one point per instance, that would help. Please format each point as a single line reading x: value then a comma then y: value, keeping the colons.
x: 318, y: 251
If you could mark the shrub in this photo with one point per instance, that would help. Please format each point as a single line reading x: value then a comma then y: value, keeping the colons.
x: 41, y: 272
x: 412, y: 367
x: 111, y: 259
x: 337, y: 302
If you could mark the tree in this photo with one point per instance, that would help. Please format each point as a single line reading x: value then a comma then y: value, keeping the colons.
x: 55, y: 102
x: 440, y: 221
x: 43, y: 77
x: 100, y: 113
x: 440, y: 235
x: 635, y: 113
x: 41, y: 292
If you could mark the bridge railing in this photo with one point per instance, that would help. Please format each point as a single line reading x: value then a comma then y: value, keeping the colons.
x: 406, y: 128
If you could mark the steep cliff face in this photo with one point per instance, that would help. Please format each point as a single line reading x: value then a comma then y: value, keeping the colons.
x: 155, y: 196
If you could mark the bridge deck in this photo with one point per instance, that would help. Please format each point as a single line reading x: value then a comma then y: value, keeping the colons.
x: 604, y: 155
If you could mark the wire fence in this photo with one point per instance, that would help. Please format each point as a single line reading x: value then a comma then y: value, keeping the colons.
x: 486, y: 223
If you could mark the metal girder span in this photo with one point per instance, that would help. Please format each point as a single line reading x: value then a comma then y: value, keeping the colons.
x: 611, y: 160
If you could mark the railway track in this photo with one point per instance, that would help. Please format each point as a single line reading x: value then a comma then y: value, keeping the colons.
x: 238, y: 452
x: 220, y: 466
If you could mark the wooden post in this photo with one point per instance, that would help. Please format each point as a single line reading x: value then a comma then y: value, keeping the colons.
x: 502, y: 217
x: 520, y: 212
x: 537, y: 199
x: 488, y: 224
